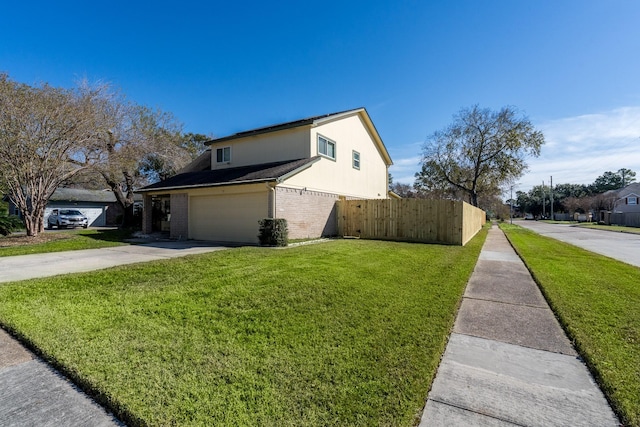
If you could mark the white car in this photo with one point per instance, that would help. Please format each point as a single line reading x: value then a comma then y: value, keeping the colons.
x: 63, y: 218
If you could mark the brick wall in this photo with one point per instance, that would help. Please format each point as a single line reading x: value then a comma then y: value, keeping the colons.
x: 179, y: 224
x: 308, y: 213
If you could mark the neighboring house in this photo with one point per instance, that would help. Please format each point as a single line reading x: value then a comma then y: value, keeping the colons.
x: 628, y: 199
x: 99, y: 206
x: 625, y: 207
x: 295, y: 170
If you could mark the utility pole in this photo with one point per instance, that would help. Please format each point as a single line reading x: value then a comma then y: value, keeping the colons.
x: 551, y: 197
x: 511, y: 206
x: 543, y: 201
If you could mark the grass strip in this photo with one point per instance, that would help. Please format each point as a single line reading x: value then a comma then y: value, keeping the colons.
x: 597, y: 300
x: 62, y: 241
x: 340, y: 333
x: 617, y: 228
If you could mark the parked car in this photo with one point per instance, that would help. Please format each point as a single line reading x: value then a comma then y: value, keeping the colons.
x: 529, y: 216
x: 63, y: 218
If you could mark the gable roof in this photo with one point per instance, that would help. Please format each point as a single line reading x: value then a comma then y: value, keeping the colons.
x: 313, y: 121
x: 265, y: 172
x: 631, y: 189
x: 200, y: 163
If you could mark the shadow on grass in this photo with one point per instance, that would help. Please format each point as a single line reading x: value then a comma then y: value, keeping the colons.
x: 109, y: 234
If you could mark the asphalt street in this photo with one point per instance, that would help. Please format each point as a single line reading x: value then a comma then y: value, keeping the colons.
x: 624, y: 247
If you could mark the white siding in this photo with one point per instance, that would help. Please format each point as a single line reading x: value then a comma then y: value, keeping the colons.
x: 338, y: 176
x: 290, y: 144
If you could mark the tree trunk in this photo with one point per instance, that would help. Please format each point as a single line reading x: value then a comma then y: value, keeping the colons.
x: 124, y: 200
x: 473, y: 198
x: 127, y: 218
x: 32, y: 212
x: 29, y: 224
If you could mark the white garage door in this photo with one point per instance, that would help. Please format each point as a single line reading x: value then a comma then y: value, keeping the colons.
x: 227, y: 218
x: 96, y: 216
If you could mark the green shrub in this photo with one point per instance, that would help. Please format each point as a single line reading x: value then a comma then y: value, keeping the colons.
x: 273, y: 232
x: 10, y: 223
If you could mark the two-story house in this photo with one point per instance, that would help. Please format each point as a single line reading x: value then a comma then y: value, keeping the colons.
x: 628, y: 199
x: 295, y: 170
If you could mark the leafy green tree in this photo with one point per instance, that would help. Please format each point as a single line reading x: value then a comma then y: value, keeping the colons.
x: 481, y: 151
x: 165, y: 163
x: 531, y: 202
x: 613, y: 180
x: 628, y: 176
x: 607, y: 181
x: 123, y: 136
x: 570, y: 197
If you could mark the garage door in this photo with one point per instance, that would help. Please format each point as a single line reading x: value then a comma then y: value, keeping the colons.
x: 96, y: 216
x: 227, y: 218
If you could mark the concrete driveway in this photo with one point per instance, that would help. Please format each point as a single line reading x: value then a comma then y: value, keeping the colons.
x: 24, y: 267
x: 621, y: 246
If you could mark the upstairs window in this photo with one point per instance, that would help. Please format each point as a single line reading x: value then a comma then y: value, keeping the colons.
x: 223, y: 155
x: 356, y: 160
x: 326, y: 147
x: 632, y: 200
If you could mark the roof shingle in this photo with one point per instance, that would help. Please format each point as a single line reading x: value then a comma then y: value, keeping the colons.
x: 240, y: 175
x: 277, y: 127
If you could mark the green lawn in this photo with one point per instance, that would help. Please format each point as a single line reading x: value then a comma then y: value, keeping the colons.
x: 68, y: 240
x: 619, y: 228
x: 348, y: 332
x: 597, y: 299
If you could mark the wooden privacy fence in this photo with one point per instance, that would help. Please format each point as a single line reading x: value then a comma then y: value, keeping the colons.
x: 414, y: 220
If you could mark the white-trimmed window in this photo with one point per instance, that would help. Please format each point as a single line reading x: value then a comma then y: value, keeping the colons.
x: 326, y: 147
x: 356, y: 160
x: 631, y: 200
x: 223, y: 155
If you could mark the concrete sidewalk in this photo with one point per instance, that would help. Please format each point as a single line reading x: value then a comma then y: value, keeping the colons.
x: 508, y: 361
x: 34, y: 394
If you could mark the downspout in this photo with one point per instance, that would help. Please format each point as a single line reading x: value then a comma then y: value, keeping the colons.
x: 272, y: 187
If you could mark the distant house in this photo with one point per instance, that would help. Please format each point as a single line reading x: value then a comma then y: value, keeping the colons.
x: 99, y: 206
x: 628, y: 199
x: 626, y: 207
x: 295, y: 170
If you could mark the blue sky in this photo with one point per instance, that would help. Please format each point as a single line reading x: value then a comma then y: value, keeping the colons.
x: 573, y: 67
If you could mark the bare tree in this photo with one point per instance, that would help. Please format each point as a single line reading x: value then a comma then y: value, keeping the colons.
x: 48, y: 135
x: 41, y: 129
x: 479, y: 152
x: 124, y: 138
x: 603, y: 201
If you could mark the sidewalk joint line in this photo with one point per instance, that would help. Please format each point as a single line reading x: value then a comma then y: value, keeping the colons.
x: 508, y: 303
x: 476, y: 412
